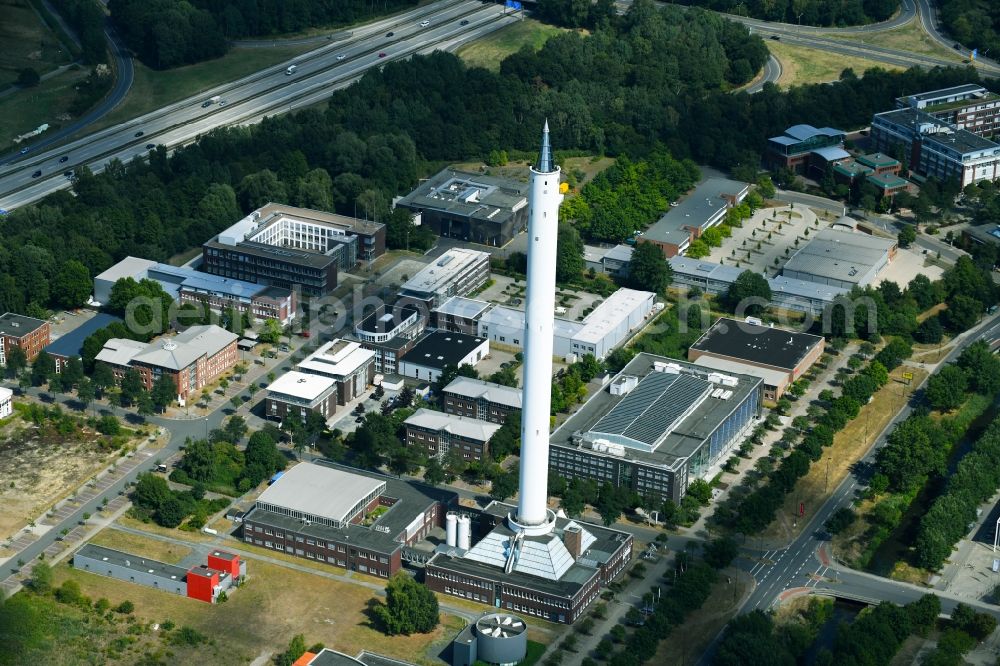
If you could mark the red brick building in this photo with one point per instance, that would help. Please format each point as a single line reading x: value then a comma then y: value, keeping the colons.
x: 28, y: 333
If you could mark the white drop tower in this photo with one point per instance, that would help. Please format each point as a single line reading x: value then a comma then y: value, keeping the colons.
x: 544, y: 197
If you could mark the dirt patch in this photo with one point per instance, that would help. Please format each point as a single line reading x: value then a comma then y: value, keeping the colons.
x: 39, y: 466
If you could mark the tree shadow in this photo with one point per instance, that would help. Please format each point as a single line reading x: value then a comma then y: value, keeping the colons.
x: 372, y: 620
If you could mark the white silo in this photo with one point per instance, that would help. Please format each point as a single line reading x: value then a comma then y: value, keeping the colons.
x: 464, y: 532
x: 451, y: 528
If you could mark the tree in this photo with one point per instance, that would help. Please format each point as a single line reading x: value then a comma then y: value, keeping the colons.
x: 907, y: 236
x: 409, y: 607
x: 164, y: 392
x: 963, y: 312
x: 150, y: 492
x: 236, y: 429
x: 504, y: 486
x: 85, y: 392
x: 170, y: 513
x: 71, y: 285
x: 946, y: 388
x: 17, y: 361
x: 296, y: 648
x: 131, y: 387
x: 103, y: 377
x: 748, y: 294
x: 720, y: 552
x: 41, y: 577
x: 841, y: 519
x: 648, y: 270
x: 28, y: 77
x: 569, y: 254
x: 270, y: 332
x: 43, y: 369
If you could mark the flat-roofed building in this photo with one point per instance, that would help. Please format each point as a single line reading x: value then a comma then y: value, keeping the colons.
x: 457, y: 272
x: 390, y: 333
x: 787, y: 293
x: 969, y: 106
x: 440, y: 349
x: 936, y: 148
x: 345, y: 517
x: 347, y: 362
x: 840, y: 258
x: 28, y: 333
x: 293, y: 248
x: 191, y: 286
x: 482, y: 400
x: 607, y: 326
x: 459, y: 315
x: 193, y: 359
x: 294, y: 394
x: 608, y: 260
x: 70, y: 345
x: 703, y: 208
x: 657, y: 426
x: 436, y: 434
x: 776, y: 355
x: 471, y: 207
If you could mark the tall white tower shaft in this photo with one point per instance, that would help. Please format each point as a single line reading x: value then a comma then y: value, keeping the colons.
x: 543, y: 226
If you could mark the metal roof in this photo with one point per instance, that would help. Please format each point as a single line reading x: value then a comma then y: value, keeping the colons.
x: 127, y: 267
x: 652, y: 409
x: 320, y: 491
x: 841, y: 255
x: 615, y: 309
x: 442, y: 270
x: 460, y: 306
x: 701, y: 207
x: 185, y: 348
x: 483, y: 390
x: 120, y: 351
x: 462, y: 426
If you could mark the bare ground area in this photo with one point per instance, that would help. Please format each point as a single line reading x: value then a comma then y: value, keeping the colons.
x: 39, y: 467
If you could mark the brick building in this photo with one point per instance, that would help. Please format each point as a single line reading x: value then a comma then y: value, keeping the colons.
x: 353, y: 519
x: 294, y: 393
x: 193, y: 359
x: 479, y: 399
x: 348, y: 363
x: 437, y: 434
x: 28, y: 333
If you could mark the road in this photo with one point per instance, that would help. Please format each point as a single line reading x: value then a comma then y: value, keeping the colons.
x: 269, y: 92
x: 929, y: 22
x: 805, y: 562
x: 772, y: 72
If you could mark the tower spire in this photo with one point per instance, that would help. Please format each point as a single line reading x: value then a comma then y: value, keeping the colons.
x: 545, y: 158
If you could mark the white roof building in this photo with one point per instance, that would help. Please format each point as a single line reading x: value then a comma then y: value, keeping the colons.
x: 300, y: 385
x: 120, y: 351
x: 478, y: 389
x: 338, y: 359
x: 318, y: 494
x: 459, y: 426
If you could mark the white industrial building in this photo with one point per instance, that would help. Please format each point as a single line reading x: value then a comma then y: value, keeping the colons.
x: 841, y: 259
x: 599, y: 333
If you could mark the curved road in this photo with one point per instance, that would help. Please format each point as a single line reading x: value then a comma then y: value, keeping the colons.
x: 124, y: 72
x: 772, y: 72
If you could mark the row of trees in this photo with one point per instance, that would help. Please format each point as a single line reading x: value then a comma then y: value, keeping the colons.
x: 805, y: 12
x: 975, y: 480
x: 755, y: 640
x: 974, y: 24
x: 757, y: 509
x: 87, y: 20
x: 217, y: 464
x: 153, y: 499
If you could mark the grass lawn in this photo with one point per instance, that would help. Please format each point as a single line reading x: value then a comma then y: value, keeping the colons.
x: 848, y: 446
x: 152, y: 90
x: 910, y: 37
x: 27, y: 42
x: 137, y: 545
x: 153, y: 528
x: 48, y: 102
x: 490, y: 50
x: 801, y: 65
x: 687, y: 643
x: 262, y: 616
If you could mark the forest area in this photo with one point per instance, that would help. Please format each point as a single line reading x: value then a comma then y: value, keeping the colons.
x: 975, y: 24
x: 805, y: 12
x: 602, y: 94
x: 165, y: 33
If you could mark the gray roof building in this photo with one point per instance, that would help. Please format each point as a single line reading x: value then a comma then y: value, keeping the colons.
x: 185, y: 348
x: 477, y: 389
x: 470, y: 206
x: 461, y: 426
x: 705, y: 207
x: 841, y: 258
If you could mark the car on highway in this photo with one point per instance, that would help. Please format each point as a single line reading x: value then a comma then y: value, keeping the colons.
x: 389, y: 34
x: 205, y: 105
x: 341, y: 57
x: 776, y: 38
x: 139, y: 133
x: 424, y: 24
x: 956, y: 46
x: 464, y: 22
x: 23, y: 151
x: 64, y: 158
x: 68, y: 174
x: 37, y: 174
x: 150, y: 146
x: 381, y: 54
x: 224, y: 102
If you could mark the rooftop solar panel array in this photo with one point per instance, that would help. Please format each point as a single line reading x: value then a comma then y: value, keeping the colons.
x: 653, y: 407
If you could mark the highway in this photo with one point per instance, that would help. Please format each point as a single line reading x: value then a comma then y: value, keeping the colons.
x: 269, y: 92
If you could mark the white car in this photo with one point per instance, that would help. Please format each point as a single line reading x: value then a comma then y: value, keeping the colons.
x: 424, y: 24
x: 341, y: 56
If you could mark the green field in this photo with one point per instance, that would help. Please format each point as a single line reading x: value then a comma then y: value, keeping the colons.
x: 24, y: 110
x: 910, y: 37
x: 490, y: 50
x: 801, y: 65
x: 152, y: 90
x: 27, y: 42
